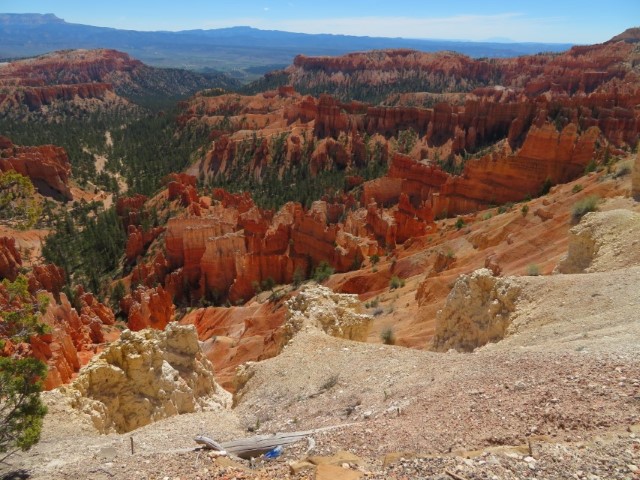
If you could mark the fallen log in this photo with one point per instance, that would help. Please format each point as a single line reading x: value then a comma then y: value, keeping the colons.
x: 210, y: 443
x: 253, y: 447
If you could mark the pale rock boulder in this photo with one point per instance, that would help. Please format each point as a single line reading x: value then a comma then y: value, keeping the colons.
x: 603, y: 241
x: 337, y: 314
x: 146, y: 376
x: 477, y: 311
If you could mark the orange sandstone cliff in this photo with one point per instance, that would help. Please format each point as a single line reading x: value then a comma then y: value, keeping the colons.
x: 47, y: 166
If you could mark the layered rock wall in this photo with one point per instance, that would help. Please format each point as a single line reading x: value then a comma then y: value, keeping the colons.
x: 547, y: 156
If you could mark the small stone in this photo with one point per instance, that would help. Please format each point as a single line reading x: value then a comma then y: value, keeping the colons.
x: 300, y: 466
x: 331, y: 472
x: 226, y: 462
x: 394, y: 457
x: 632, y: 468
x: 108, y: 453
x: 520, y: 385
x: 341, y: 457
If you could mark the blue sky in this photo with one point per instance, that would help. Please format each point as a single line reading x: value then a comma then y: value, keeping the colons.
x: 535, y: 20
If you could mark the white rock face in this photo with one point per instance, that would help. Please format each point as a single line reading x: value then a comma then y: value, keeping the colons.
x: 146, y: 376
x: 337, y: 314
x: 603, y: 241
x: 477, y: 311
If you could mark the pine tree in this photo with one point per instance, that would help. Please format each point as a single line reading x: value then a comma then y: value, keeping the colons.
x: 21, y: 410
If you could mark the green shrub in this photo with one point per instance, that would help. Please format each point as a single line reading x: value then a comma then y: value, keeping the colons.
x: 17, y: 200
x: 268, y: 284
x: 373, y: 303
x: 533, y: 270
x: 622, y: 171
x: 330, y: 382
x: 442, y: 215
x: 586, y: 205
x: 505, y: 208
x: 276, y: 295
x: 524, y: 210
x: 298, y: 277
x: 374, y: 259
x: 396, y: 282
x: 406, y: 140
x: 546, y: 187
x: 387, y: 336
x: 322, y: 272
x: 118, y: 293
x: 459, y: 223
x: 577, y: 188
x: 357, y: 262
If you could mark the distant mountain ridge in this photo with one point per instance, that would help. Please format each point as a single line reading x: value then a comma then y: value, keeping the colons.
x: 66, y: 77
x: 242, y: 50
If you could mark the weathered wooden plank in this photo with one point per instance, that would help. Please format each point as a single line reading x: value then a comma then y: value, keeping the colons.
x: 253, y: 447
x: 258, y: 445
x: 209, y: 442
